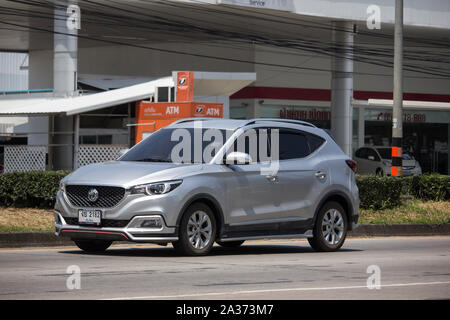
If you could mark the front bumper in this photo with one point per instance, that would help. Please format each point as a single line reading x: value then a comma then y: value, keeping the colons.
x: 146, y: 235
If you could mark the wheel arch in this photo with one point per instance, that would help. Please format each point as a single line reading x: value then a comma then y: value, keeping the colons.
x: 211, y: 202
x: 343, y: 200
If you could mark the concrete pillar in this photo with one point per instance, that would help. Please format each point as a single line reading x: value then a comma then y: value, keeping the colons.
x: 253, y: 109
x: 62, y: 143
x: 65, y: 45
x: 361, y: 126
x: 342, y: 85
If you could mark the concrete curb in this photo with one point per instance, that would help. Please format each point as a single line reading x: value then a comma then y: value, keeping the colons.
x: 47, y: 239
x: 381, y: 230
x: 32, y: 239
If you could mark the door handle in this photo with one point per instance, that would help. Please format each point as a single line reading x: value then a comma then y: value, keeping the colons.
x: 272, y: 178
x: 321, y: 175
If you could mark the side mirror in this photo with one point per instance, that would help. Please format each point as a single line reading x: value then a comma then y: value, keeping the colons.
x: 371, y: 158
x: 121, y: 153
x: 238, y: 158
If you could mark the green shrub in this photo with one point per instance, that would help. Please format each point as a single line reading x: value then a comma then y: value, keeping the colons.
x: 30, y: 189
x: 432, y: 187
x: 379, y: 192
x: 38, y: 189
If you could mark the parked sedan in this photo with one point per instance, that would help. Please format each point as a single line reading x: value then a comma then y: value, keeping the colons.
x: 377, y: 160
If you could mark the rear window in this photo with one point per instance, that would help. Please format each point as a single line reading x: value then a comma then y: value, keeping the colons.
x: 314, y: 142
x: 293, y: 145
x: 297, y: 144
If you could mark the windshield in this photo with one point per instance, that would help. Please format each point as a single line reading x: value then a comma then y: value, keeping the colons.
x: 385, y: 153
x: 177, y: 145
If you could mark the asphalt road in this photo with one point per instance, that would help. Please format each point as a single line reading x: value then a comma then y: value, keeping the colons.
x: 410, y: 268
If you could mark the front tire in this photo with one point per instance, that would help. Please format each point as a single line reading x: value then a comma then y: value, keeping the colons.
x: 93, y: 245
x: 330, y: 229
x: 197, y: 231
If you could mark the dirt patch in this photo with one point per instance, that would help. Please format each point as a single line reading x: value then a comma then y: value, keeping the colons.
x: 443, y: 206
x: 26, y: 218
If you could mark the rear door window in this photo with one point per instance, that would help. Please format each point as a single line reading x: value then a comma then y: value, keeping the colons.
x: 293, y: 144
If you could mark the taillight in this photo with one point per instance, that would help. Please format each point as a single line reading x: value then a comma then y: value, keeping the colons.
x: 351, y: 164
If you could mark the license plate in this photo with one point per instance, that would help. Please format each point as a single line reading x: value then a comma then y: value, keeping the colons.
x: 89, y: 216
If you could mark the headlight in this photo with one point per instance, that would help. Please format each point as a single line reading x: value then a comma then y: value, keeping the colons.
x: 156, y: 188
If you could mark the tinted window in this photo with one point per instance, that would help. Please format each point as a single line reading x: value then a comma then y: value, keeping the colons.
x: 250, y: 143
x: 293, y: 145
x: 361, y: 153
x: 372, y: 153
x: 385, y: 153
x: 314, y: 142
x: 158, y: 147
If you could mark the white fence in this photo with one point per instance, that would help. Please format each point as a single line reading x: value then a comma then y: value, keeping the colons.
x: 24, y: 158
x: 98, y: 153
x: 33, y: 158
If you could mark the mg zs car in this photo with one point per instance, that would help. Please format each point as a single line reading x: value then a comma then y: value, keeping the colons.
x: 192, y: 185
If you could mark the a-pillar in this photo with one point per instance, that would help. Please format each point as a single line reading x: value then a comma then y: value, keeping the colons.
x: 342, y: 85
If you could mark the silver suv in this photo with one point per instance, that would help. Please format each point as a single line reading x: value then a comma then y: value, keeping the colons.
x: 287, y: 179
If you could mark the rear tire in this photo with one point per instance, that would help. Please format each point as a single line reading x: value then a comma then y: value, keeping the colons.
x: 93, y: 245
x: 197, y: 231
x: 330, y: 229
x: 230, y: 244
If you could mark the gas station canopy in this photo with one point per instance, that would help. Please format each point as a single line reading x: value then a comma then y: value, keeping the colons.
x: 208, y: 84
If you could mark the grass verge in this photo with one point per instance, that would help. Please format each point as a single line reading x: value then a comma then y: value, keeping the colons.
x: 26, y: 219
x: 414, y: 212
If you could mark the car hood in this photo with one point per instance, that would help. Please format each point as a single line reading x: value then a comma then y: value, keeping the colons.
x: 128, y: 173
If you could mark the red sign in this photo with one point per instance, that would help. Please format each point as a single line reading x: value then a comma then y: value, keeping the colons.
x: 151, y: 116
x: 185, y: 86
x: 305, y: 114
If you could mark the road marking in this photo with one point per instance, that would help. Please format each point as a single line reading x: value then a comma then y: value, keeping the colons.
x: 275, y: 290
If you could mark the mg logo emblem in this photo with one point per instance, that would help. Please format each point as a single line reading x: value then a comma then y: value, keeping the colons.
x: 93, y: 195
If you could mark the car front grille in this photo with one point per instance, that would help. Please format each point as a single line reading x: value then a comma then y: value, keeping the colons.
x: 108, y: 197
x: 106, y: 223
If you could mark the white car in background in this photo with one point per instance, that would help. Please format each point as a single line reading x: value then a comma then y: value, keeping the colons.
x: 377, y: 160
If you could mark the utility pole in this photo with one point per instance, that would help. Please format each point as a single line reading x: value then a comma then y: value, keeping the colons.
x: 397, y: 112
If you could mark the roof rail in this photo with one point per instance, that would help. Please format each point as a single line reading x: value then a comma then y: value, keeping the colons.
x: 304, y: 123
x: 192, y: 119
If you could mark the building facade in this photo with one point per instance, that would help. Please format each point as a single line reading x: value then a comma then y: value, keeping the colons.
x: 325, y: 61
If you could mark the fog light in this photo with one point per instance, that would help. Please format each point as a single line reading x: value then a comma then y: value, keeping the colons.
x: 150, y: 222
